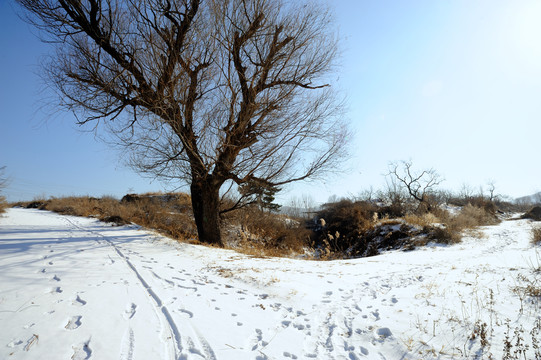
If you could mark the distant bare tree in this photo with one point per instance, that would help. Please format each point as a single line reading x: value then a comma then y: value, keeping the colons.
x: 202, y: 92
x: 3, y: 183
x: 466, y: 193
x: 491, y: 184
x: 537, y: 198
x: 394, y: 196
x: 3, y: 178
x: 420, y: 185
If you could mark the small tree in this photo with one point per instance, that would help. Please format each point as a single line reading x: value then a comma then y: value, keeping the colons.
x: 202, y: 92
x: 420, y: 186
x: 260, y: 194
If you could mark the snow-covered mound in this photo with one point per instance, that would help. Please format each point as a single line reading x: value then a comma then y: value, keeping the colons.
x: 75, y: 288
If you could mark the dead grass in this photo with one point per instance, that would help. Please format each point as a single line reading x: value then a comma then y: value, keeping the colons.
x: 171, y: 216
x: 536, y: 235
x: 259, y: 233
x: 251, y: 231
x: 3, y: 204
x: 468, y: 220
x: 423, y: 221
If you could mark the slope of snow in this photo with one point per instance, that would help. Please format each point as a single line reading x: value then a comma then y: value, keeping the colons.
x: 75, y: 288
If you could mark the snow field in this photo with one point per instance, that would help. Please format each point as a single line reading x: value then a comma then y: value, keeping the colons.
x: 75, y: 288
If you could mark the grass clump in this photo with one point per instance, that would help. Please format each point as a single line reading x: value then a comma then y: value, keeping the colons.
x: 533, y: 214
x: 470, y: 217
x: 257, y: 232
x: 3, y: 204
x: 536, y: 235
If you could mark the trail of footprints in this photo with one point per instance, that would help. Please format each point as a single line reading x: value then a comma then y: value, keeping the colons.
x: 322, y: 334
x: 81, y: 351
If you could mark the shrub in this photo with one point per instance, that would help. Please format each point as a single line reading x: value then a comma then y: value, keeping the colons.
x: 424, y: 220
x: 444, y: 234
x: 533, y: 214
x: 472, y: 216
x: 536, y: 235
x: 256, y: 232
x: 3, y: 204
x: 348, y: 217
x: 452, y: 227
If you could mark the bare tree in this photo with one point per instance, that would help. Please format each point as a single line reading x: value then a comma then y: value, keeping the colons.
x: 420, y: 185
x: 466, y: 193
x: 3, y: 178
x: 3, y: 184
x: 492, y: 190
x: 202, y: 92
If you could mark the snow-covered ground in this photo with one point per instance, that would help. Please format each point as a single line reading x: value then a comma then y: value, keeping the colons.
x: 75, y: 288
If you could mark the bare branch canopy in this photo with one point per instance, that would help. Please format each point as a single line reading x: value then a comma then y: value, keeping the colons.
x: 203, y: 92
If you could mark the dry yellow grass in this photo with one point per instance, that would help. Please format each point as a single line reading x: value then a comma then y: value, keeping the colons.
x: 536, y: 235
x: 172, y: 217
x: 3, y: 204
x: 259, y: 233
x: 424, y: 220
x: 466, y: 221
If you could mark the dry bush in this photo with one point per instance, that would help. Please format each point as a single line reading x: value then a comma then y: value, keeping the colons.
x: 261, y: 233
x: 469, y: 218
x: 536, y: 235
x: 533, y: 214
x: 472, y: 216
x: 423, y: 220
x: 352, y: 229
x: 349, y: 218
x: 3, y: 204
x: 444, y: 234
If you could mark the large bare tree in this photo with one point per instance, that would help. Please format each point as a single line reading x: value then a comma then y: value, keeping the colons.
x: 205, y: 92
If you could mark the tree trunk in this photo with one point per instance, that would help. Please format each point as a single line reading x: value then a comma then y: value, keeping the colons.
x: 206, y: 211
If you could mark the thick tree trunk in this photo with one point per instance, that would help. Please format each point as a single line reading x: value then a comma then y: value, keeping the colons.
x: 206, y: 211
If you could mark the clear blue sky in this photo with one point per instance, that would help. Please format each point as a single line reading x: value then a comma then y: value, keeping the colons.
x: 453, y: 85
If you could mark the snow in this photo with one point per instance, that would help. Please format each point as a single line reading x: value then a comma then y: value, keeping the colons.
x: 75, y: 288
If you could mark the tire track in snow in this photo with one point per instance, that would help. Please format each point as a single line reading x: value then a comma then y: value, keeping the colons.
x: 167, y: 322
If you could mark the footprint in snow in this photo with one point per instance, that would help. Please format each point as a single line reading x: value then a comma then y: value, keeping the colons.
x: 81, y: 351
x: 14, y: 343
x: 74, y: 322
x: 383, y: 333
x: 130, y: 311
x: 55, y: 278
x: 78, y: 301
x: 54, y: 290
x: 290, y: 355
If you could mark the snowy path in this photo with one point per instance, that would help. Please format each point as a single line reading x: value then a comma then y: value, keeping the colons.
x: 74, y: 288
